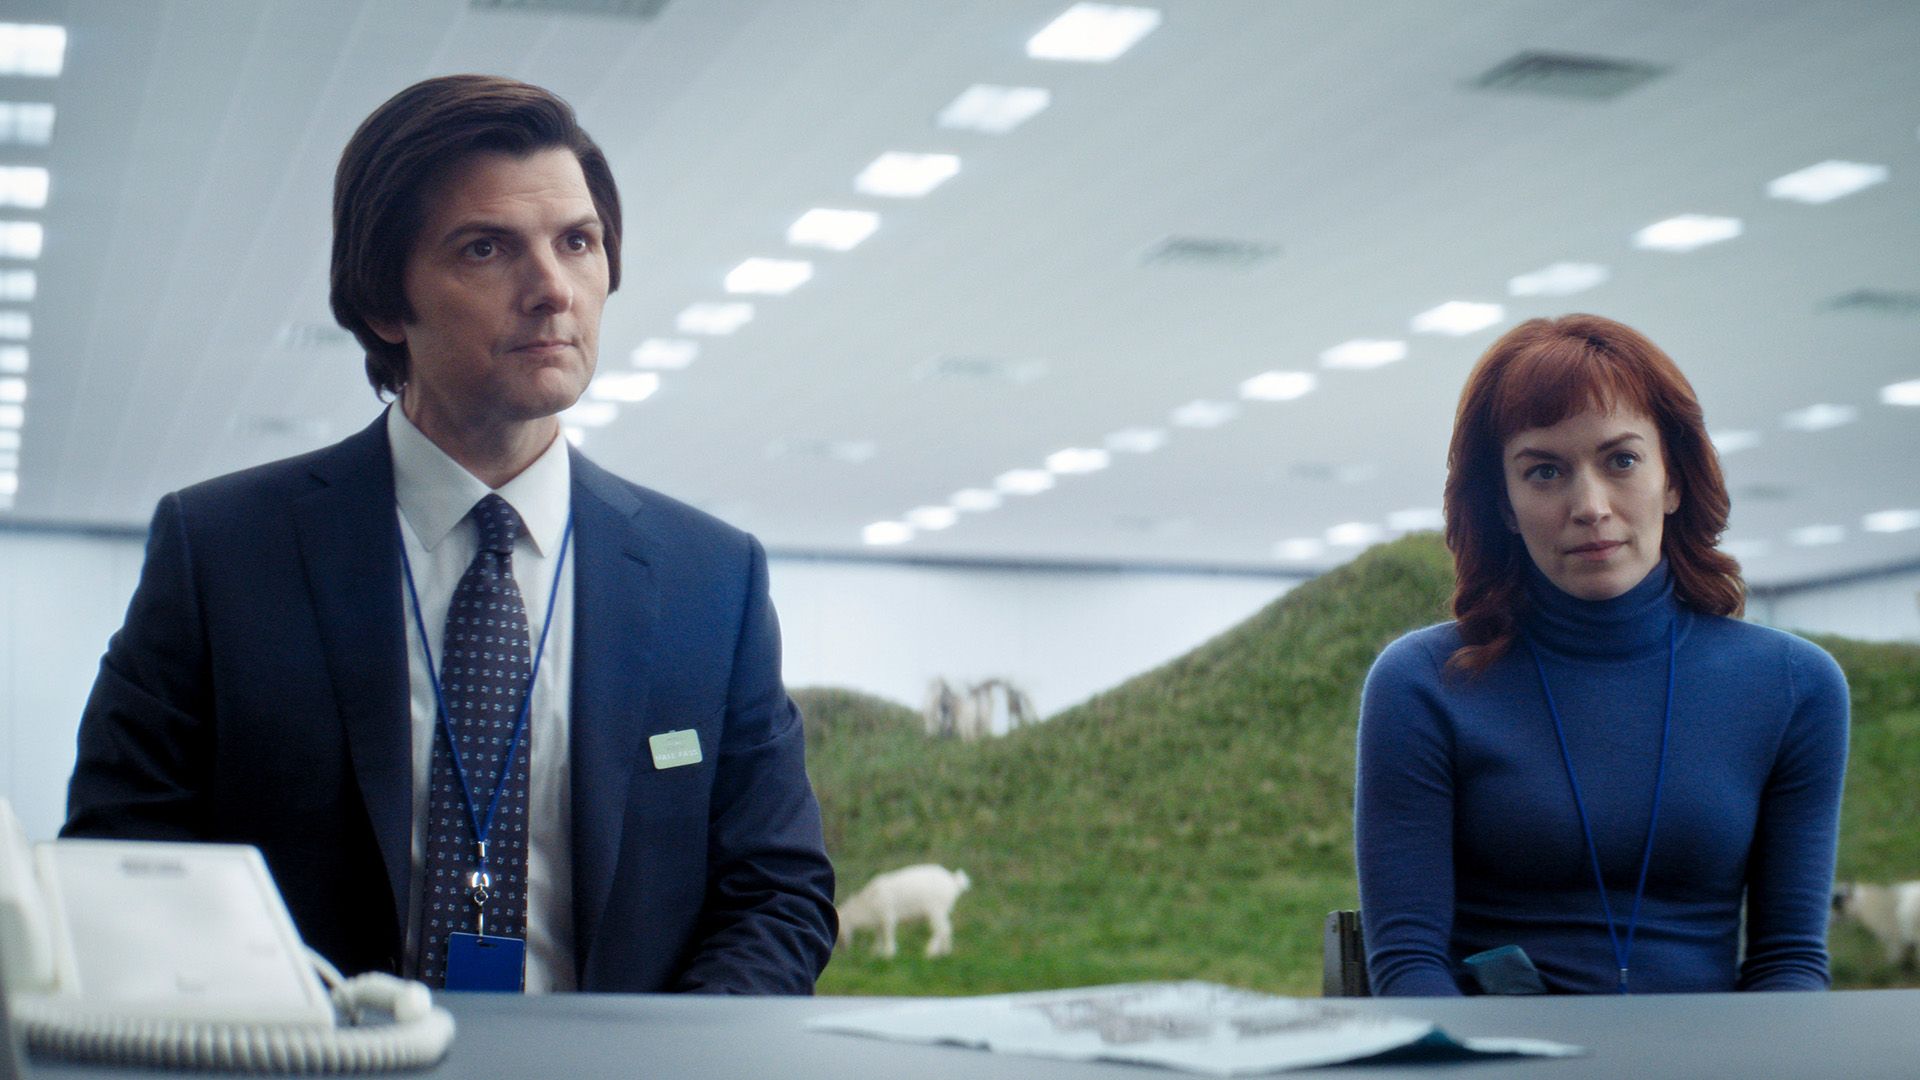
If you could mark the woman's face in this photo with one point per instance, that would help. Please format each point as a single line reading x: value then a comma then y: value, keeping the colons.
x: 1590, y: 496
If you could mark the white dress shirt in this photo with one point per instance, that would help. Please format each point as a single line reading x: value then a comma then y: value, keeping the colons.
x: 434, y: 495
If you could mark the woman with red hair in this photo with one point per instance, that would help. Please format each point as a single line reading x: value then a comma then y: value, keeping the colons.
x: 1574, y: 786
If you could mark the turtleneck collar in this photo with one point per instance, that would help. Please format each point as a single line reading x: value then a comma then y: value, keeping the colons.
x: 1634, y: 622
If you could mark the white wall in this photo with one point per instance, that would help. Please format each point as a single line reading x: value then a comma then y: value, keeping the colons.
x: 886, y: 629
x: 61, y: 597
x: 1061, y: 635
x: 1883, y: 608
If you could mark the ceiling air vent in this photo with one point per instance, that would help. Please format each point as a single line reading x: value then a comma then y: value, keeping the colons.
x: 988, y: 369
x: 1763, y: 493
x: 640, y: 10
x: 1154, y: 525
x: 1325, y: 472
x: 1877, y: 302
x: 313, y: 335
x: 849, y: 451
x: 1213, y: 251
x: 263, y: 426
x: 1594, y: 78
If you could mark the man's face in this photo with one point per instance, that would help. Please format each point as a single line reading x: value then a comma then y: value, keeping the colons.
x: 506, y: 280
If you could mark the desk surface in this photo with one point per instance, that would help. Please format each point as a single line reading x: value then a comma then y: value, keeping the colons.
x: 1858, y: 1035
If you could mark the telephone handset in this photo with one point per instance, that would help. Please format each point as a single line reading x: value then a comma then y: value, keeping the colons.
x: 184, y: 955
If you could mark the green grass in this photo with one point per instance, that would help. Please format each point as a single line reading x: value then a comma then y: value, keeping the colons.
x: 1880, y: 818
x: 1196, y: 821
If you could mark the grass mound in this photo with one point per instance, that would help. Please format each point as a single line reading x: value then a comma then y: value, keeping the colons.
x: 1196, y: 821
x: 1879, y: 839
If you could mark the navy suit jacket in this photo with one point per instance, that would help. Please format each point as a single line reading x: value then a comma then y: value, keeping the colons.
x: 258, y: 693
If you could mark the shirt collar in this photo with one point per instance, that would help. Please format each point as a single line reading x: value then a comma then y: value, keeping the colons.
x: 436, y: 493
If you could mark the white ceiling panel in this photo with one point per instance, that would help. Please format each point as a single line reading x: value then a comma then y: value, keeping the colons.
x: 181, y: 326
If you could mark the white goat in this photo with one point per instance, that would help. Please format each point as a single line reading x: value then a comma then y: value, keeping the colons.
x: 942, y: 709
x: 1892, y: 912
x: 923, y: 891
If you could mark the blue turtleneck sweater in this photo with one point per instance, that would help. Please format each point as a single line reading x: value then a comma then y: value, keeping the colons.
x: 1468, y: 838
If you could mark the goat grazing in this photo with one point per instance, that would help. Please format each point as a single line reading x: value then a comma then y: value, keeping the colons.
x: 924, y: 891
x: 1891, y: 912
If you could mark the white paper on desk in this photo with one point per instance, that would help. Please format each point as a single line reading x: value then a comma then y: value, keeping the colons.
x: 1193, y: 1026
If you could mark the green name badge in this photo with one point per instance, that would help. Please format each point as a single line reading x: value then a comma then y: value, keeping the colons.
x: 672, y: 749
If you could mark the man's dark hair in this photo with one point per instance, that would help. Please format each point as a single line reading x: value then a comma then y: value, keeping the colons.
x: 400, y: 153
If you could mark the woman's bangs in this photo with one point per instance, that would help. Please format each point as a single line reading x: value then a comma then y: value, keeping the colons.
x: 1545, y: 385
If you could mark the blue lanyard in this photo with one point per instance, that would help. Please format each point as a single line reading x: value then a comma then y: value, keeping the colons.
x: 1621, y: 952
x: 482, y: 826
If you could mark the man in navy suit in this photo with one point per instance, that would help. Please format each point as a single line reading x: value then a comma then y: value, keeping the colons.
x: 276, y: 684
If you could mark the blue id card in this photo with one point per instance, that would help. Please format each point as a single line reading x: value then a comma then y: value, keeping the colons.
x: 486, y: 963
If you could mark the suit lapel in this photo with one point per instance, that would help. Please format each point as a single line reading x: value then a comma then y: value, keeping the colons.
x: 350, y: 549
x: 616, y: 605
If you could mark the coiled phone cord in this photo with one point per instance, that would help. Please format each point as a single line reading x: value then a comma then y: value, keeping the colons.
x: 418, y: 1036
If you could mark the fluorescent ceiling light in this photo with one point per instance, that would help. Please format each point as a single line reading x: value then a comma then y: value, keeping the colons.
x: 590, y: 414
x: 1355, y: 534
x: 665, y: 354
x: 1023, y: 481
x: 575, y: 435
x: 975, y: 500
x: 772, y: 277
x: 1560, y: 279
x: 9, y: 484
x: 9, y: 460
x: 883, y: 533
x: 1137, y: 440
x: 26, y: 123
x: 1362, y: 353
x: 13, y: 390
x: 23, y: 186
x: 1819, y: 417
x: 1299, y: 549
x: 18, y: 286
x: 15, y: 326
x: 9, y: 440
x: 28, y: 49
x: 1826, y: 181
x: 20, y: 239
x: 995, y: 110
x: 1458, y: 318
x: 13, y: 359
x: 1204, y: 414
x: 835, y: 230
x: 13, y: 416
x: 1746, y: 549
x: 1686, y: 232
x: 714, y: 319
x: 1076, y: 460
x: 628, y: 386
x: 1413, y: 520
x: 1732, y: 442
x: 1888, y: 521
x: 898, y: 174
x: 932, y: 518
x: 1901, y: 393
x: 1817, y: 535
x: 1093, y: 32
x: 1278, y: 386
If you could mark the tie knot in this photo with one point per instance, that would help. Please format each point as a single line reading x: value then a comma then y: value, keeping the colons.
x: 498, y: 524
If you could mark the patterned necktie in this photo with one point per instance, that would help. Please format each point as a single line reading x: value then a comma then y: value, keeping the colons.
x: 484, y: 668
